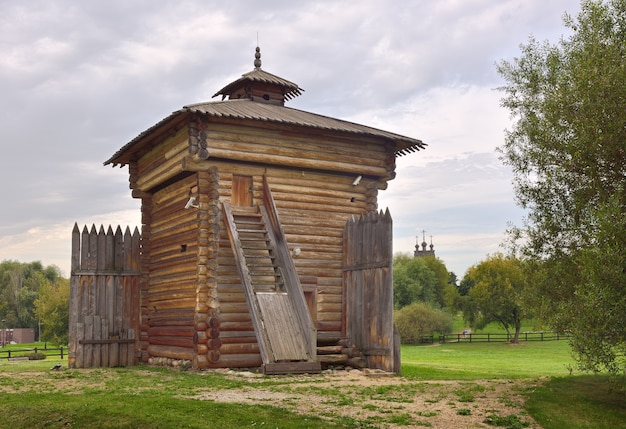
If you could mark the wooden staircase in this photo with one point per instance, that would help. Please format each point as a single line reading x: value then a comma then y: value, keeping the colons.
x: 284, y: 329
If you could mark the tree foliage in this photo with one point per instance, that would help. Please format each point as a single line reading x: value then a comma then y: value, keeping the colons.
x: 567, y: 149
x: 52, y: 308
x: 418, y: 320
x: 496, y: 295
x: 419, y: 280
x: 20, y: 286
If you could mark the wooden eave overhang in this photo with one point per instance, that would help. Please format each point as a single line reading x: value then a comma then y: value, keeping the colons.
x: 289, y: 89
x: 248, y: 110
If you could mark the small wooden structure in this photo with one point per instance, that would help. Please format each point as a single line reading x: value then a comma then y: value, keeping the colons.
x: 244, y: 258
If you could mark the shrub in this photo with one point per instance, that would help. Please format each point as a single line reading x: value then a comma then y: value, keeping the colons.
x: 35, y: 356
x: 419, y: 320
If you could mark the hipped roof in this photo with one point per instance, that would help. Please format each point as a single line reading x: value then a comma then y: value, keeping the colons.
x: 245, y: 109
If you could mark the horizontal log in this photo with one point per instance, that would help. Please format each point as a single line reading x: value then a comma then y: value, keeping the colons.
x: 172, y: 321
x: 325, y: 307
x: 237, y: 326
x: 176, y: 330
x: 329, y: 350
x: 188, y: 278
x: 337, y: 359
x: 188, y: 163
x: 330, y: 298
x: 240, y: 360
x: 328, y: 326
x: 246, y: 337
x: 163, y: 317
x: 234, y: 307
x: 188, y: 287
x: 239, y: 348
x: 235, y: 317
x: 171, y: 228
x: 171, y: 351
x: 182, y: 293
x: 168, y: 143
x: 354, y: 201
x: 159, y: 174
x: 183, y: 235
x: 296, y: 142
x: 173, y: 304
x: 172, y: 342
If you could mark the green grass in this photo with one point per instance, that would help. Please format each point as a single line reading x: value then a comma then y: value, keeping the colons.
x: 560, y: 401
x: 465, y: 361
x: 25, y: 349
x: 578, y: 402
x: 104, y: 410
x: 139, y: 397
x: 149, y: 397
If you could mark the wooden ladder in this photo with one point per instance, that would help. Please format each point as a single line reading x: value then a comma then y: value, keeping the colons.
x: 282, y: 324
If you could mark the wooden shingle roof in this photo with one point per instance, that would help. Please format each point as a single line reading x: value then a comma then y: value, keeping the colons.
x: 290, y: 90
x: 245, y: 109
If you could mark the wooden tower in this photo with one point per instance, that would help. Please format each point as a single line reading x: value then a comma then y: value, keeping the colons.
x: 244, y: 260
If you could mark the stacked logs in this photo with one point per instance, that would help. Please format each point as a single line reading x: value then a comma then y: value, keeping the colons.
x: 339, y: 353
x: 207, y: 321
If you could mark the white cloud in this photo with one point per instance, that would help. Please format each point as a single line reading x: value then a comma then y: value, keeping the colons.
x: 81, y: 79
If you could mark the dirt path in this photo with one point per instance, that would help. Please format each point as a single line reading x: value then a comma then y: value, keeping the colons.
x: 383, y: 401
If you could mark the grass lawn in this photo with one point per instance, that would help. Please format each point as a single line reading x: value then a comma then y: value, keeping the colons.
x: 459, y: 361
x: 560, y: 401
x: 33, y: 396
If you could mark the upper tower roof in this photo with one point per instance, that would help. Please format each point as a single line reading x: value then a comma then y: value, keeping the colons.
x: 259, y: 85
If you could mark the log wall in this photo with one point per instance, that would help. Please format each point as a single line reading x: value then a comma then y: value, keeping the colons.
x: 313, y: 208
x: 172, y: 270
x: 193, y: 305
x: 292, y: 147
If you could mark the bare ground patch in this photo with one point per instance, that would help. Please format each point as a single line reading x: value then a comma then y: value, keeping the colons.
x: 371, y: 399
x: 383, y: 401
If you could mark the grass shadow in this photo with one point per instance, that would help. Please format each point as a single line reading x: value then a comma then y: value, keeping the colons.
x: 577, y: 402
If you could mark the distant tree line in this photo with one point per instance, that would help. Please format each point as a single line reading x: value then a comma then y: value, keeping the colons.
x: 37, y: 297
x: 567, y: 153
x: 427, y: 296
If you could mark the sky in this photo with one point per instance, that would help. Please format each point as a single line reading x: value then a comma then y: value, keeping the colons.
x: 78, y: 80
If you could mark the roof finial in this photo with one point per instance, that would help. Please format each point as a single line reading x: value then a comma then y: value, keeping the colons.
x: 257, y: 58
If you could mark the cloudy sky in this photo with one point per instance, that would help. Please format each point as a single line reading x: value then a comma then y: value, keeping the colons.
x: 79, y: 79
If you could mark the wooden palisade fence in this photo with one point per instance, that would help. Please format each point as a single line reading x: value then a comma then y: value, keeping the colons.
x: 368, y: 270
x: 104, y: 298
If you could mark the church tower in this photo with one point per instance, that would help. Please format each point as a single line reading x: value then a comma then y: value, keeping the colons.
x: 419, y: 253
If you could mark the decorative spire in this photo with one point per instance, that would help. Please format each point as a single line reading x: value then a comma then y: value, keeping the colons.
x: 424, y: 250
x: 257, y: 58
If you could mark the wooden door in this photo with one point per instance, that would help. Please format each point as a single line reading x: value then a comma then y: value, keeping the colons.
x: 242, y: 191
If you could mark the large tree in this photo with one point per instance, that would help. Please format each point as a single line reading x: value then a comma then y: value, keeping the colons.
x: 52, y: 309
x: 567, y: 149
x: 20, y: 285
x: 419, y: 280
x: 496, y: 294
